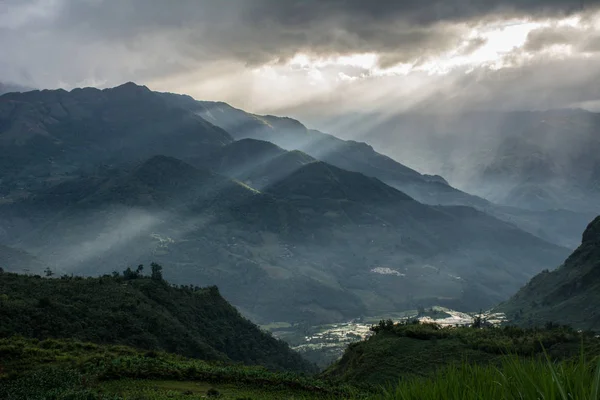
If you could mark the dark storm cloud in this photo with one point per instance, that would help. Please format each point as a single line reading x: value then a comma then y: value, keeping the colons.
x: 258, y: 31
x: 51, y: 43
x: 582, y: 40
x: 299, y: 12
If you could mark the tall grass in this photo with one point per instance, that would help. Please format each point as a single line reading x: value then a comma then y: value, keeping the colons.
x: 516, y: 378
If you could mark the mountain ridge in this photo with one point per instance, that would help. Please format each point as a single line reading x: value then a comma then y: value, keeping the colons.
x: 311, y: 241
x: 569, y: 294
x: 314, y: 238
x: 360, y: 157
x: 143, y: 312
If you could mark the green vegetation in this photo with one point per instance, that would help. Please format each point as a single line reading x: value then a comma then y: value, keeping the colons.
x: 420, y: 350
x: 138, y: 311
x: 90, y: 320
x: 68, y: 369
x: 515, y: 379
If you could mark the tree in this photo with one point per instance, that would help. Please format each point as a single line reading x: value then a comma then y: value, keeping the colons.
x: 156, y: 272
x: 48, y: 272
x: 1, y: 270
x: 139, y: 269
x: 130, y: 274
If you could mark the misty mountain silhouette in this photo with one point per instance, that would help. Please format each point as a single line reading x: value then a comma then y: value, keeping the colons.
x: 85, y: 191
x: 558, y: 226
x: 530, y: 159
x: 313, y: 237
x: 346, y: 154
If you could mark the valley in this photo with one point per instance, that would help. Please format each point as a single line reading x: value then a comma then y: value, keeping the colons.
x: 325, y: 344
x: 171, y: 229
x: 299, y: 200
x: 314, y: 225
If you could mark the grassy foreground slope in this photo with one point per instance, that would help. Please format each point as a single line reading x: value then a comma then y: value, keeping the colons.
x: 412, y: 350
x: 140, y: 312
x: 515, y: 379
x: 67, y: 369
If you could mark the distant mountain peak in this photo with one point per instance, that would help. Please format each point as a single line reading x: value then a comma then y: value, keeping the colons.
x: 592, y: 233
x: 129, y: 89
x: 131, y: 86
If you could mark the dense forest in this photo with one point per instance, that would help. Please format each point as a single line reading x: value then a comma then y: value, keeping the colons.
x: 141, y: 311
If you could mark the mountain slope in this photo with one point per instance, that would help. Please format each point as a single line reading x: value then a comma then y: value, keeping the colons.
x: 47, y: 136
x: 568, y: 295
x: 346, y: 154
x: 537, y: 160
x: 320, y: 244
x: 360, y: 157
x: 142, y: 312
x: 407, y: 350
x: 254, y: 162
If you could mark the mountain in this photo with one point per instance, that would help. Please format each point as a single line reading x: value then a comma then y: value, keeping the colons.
x: 320, y: 244
x: 83, y: 189
x: 50, y: 135
x: 141, y: 312
x: 551, y: 225
x: 346, y: 154
x: 536, y: 160
x: 569, y: 294
x: 255, y: 162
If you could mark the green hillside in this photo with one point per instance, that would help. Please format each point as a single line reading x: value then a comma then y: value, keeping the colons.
x: 569, y: 294
x: 409, y: 351
x: 141, y: 312
x: 105, y: 338
x: 67, y: 369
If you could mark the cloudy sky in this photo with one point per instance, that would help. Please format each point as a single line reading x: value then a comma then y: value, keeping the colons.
x: 309, y: 57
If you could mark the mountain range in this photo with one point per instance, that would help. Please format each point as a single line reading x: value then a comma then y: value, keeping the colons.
x: 529, y: 159
x: 561, y: 226
x: 324, y: 229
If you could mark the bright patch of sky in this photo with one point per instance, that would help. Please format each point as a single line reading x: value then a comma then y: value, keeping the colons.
x: 495, y: 45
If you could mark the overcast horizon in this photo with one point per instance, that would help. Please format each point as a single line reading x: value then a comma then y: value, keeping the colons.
x: 315, y: 58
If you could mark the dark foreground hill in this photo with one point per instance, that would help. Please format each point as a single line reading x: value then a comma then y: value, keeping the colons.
x: 569, y: 295
x: 141, y: 312
x: 406, y: 351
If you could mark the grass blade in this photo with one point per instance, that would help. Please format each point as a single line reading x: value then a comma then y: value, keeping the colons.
x: 561, y: 389
x: 596, y: 385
